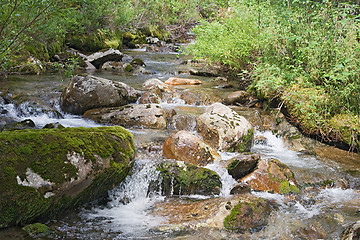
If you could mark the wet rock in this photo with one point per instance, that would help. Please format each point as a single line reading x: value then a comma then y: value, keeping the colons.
x: 183, y: 122
x: 137, y: 62
x: 238, y: 97
x: 248, y: 216
x: 261, y: 140
x: 224, y: 129
x: 240, y: 188
x: 242, y: 165
x: 203, y: 73
x: 54, y: 170
x: 180, y: 178
x: 38, y: 230
x: 54, y: 125
x: 84, y: 93
x: 13, y: 125
x: 137, y: 116
x: 272, y: 175
x: 149, y: 97
x: 182, y: 81
x: 197, y: 98
x: 140, y: 70
x: 99, y: 58
x: 352, y: 232
x: 112, y: 65
x: 29, y: 106
x: 313, y: 231
x: 185, y: 146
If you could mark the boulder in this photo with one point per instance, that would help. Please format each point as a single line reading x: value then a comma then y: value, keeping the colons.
x: 136, y: 116
x: 180, y: 178
x: 238, y: 97
x: 240, y: 188
x: 273, y: 176
x: 149, y: 97
x: 112, y: 65
x: 224, y: 129
x: 99, y: 58
x: 352, y: 232
x: 84, y: 93
x: 46, y: 172
x: 248, y: 216
x: 182, y: 81
x: 242, y: 165
x: 154, y: 84
x: 185, y: 146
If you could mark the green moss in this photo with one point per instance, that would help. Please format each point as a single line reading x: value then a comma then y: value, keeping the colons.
x: 190, y: 179
x: 128, y: 68
x: 232, y: 165
x: 287, y: 188
x: 246, y: 141
x: 45, y: 153
x: 37, y: 230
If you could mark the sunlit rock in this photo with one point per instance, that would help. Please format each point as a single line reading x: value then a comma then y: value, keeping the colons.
x: 272, y: 175
x: 238, y: 97
x: 182, y: 81
x: 224, y: 129
x: 187, y: 147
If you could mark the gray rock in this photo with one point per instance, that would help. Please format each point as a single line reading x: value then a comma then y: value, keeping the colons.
x: 99, y: 58
x: 137, y: 116
x: 84, y: 93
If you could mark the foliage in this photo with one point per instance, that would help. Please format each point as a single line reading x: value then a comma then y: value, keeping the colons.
x: 304, y: 53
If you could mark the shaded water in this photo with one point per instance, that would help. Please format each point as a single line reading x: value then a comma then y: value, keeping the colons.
x: 319, y: 213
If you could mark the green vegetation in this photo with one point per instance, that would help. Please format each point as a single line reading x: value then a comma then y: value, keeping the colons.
x: 45, y: 152
x: 41, y: 29
x: 304, y: 54
x: 37, y: 230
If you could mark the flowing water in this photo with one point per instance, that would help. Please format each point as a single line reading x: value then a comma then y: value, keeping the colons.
x: 318, y: 213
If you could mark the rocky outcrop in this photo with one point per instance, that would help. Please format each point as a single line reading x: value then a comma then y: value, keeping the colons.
x: 84, y: 93
x: 49, y: 171
x: 182, y: 81
x: 272, y: 175
x: 352, y: 232
x: 135, y: 116
x: 224, y: 129
x: 242, y: 165
x: 180, y: 178
x: 99, y: 58
x: 185, y: 146
x: 248, y: 216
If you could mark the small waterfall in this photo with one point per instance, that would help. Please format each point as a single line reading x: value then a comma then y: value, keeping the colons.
x: 127, y: 212
x: 226, y: 179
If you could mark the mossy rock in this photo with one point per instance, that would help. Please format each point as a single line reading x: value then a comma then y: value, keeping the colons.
x: 248, y: 216
x: 37, y: 230
x: 47, y: 172
x: 180, y: 178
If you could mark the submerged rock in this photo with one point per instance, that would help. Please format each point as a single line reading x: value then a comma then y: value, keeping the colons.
x: 180, y: 178
x: 242, y: 165
x: 248, y: 216
x: 224, y: 129
x: 137, y: 115
x: 272, y: 175
x: 185, y: 146
x: 47, y: 172
x: 84, y: 93
x: 182, y: 81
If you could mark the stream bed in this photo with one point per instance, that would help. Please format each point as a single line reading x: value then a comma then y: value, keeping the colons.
x: 328, y: 177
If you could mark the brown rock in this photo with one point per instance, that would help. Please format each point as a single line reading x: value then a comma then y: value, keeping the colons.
x: 272, y: 175
x: 240, y: 97
x: 182, y: 81
x: 185, y: 146
x: 149, y: 97
x: 240, y: 188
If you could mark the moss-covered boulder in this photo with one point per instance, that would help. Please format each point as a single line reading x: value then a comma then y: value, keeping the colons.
x: 224, y: 129
x: 49, y: 171
x: 180, y: 178
x: 273, y: 176
x: 248, y: 216
x: 38, y: 230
